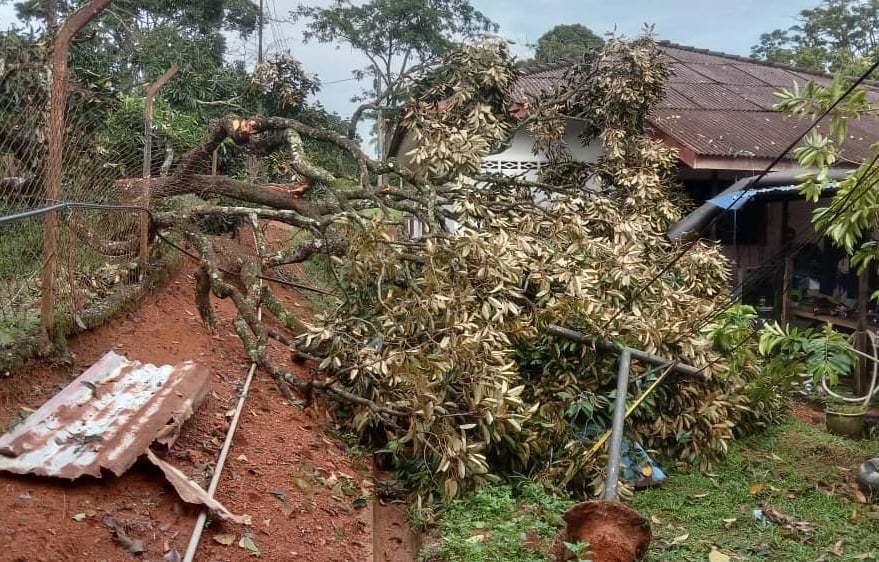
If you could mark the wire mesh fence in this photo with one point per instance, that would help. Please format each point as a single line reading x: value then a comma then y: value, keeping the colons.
x: 97, y: 271
x: 21, y: 265
x: 63, y: 268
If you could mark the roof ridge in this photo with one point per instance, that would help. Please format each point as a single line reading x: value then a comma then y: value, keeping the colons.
x: 750, y: 60
x: 536, y: 66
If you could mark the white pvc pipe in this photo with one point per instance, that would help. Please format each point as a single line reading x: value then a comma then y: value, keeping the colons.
x: 873, y: 388
x: 189, y: 556
x: 221, y: 461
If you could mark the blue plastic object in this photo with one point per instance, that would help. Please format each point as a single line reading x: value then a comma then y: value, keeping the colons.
x: 639, y: 470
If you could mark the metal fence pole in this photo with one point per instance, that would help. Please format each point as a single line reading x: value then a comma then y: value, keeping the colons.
x: 55, y: 133
x: 619, y: 418
x: 148, y: 159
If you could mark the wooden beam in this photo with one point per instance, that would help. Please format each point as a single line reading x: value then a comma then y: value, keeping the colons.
x: 55, y: 134
x: 788, y: 276
x: 152, y: 90
x: 862, y: 368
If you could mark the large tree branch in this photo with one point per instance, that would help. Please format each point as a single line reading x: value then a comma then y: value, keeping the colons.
x: 132, y: 190
x: 169, y: 218
x: 304, y: 250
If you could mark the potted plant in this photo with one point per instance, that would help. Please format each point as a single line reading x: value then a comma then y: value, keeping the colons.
x: 844, y: 418
x: 824, y: 355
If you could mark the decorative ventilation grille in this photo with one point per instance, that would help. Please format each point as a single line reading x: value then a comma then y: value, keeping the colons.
x: 510, y: 166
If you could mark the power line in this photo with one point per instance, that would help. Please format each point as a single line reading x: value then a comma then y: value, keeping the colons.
x: 687, y: 247
x: 788, y: 248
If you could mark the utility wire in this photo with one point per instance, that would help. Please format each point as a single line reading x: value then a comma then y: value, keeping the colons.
x: 756, y: 328
x: 687, y: 247
x: 66, y: 205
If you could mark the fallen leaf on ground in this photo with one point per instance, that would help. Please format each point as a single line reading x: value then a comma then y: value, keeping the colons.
x: 793, y: 528
x: 248, y: 544
x: 360, y: 502
x: 728, y: 523
x: 79, y: 517
x: 303, y: 485
x: 680, y: 539
x: 755, y: 488
x: 172, y: 555
x: 224, y: 539
x: 717, y: 556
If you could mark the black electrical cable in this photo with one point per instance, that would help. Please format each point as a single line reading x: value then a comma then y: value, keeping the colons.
x: 789, y: 248
x: 687, y: 247
x: 153, y: 223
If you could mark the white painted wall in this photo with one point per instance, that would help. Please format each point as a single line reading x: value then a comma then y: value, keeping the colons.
x: 519, y: 158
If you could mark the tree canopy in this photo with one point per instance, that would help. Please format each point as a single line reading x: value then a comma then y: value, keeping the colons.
x: 436, y: 347
x: 835, y: 36
x: 394, y: 35
x: 566, y: 41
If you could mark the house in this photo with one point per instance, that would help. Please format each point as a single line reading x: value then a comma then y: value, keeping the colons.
x: 718, y: 115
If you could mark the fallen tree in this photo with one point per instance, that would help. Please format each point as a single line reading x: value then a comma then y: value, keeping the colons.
x: 436, y: 348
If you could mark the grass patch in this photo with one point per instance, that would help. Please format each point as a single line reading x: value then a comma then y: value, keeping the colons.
x: 499, y: 524
x: 801, y: 471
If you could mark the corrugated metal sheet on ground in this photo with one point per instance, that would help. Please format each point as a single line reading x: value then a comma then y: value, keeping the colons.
x: 105, y: 419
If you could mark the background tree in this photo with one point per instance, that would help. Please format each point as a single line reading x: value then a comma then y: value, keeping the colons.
x: 566, y: 42
x: 395, y: 36
x: 836, y: 36
x: 133, y: 42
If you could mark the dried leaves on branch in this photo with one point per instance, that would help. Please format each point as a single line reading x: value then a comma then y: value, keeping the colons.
x: 436, y: 348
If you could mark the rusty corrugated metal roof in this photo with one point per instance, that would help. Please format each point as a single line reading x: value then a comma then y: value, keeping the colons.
x: 105, y: 419
x: 720, y: 105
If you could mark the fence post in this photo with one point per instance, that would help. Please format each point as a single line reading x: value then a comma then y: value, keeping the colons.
x: 148, y: 160
x: 55, y: 133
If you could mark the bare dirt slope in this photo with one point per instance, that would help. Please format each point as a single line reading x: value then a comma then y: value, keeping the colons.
x: 308, y: 499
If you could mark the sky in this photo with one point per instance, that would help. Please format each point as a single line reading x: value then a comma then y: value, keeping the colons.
x: 722, y: 25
